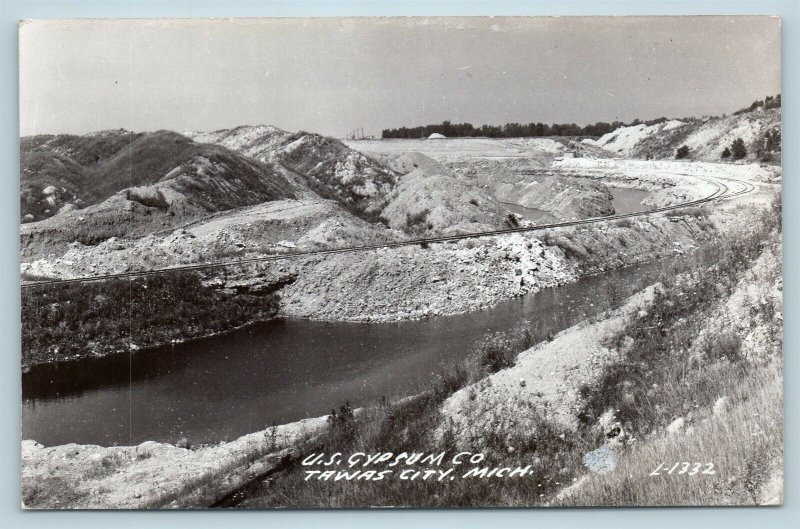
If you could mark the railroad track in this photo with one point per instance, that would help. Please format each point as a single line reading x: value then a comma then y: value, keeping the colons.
x: 723, y: 191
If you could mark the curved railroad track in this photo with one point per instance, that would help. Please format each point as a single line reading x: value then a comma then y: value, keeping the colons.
x: 726, y: 188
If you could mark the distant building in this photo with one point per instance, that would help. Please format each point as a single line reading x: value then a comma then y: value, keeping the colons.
x: 569, y: 154
x: 437, y: 136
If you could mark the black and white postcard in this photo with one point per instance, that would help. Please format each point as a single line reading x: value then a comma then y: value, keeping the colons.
x: 407, y: 262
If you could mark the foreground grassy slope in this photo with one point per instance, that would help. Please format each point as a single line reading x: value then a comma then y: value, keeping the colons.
x: 711, y: 372
x: 743, y: 442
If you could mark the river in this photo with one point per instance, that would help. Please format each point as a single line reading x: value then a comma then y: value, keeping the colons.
x: 221, y: 387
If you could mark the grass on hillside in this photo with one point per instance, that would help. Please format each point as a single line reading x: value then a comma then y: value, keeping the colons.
x: 674, y: 369
x: 745, y: 446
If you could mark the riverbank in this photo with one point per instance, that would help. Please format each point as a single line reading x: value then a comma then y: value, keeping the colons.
x: 382, y: 285
x: 153, y: 475
x: 394, y: 284
x: 67, y: 322
x: 722, y: 410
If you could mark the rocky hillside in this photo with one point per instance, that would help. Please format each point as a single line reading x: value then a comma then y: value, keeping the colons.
x: 273, y: 227
x: 153, y: 183
x: 82, y: 170
x: 333, y: 170
x: 705, y: 139
x: 431, y: 198
x: 408, y: 191
x: 324, y: 165
x: 72, y: 172
x: 260, y: 142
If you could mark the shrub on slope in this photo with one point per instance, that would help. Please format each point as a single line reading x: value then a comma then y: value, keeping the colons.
x: 47, y: 182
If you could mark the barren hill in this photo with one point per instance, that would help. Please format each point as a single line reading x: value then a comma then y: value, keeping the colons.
x: 260, y: 142
x: 324, y: 165
x: 79, y: 171
x: 156, y: 182
x: 706, y: 138
x: 430, y: 197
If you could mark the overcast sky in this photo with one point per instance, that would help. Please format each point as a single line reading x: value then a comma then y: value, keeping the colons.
x: 334, y: 75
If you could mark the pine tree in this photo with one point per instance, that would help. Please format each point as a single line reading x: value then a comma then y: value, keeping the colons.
x: 738, y: 149
x: 773, y: 141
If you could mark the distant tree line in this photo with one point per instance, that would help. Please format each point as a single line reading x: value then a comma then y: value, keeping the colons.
x: 520, y: 130
x: 512, y: 130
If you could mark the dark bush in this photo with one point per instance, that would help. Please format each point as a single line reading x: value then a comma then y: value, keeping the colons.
x: 682, y: 152
x: 738, y: 149
x: 342, y: 423
x: 725, y: 345
x: 148, y: 197
x: 772, y: 141
x: 416, y: 219
x: 772, y: 102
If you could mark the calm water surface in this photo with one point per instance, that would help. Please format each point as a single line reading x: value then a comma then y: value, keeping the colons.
x: 284, y: 370
x: 625, y: 200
